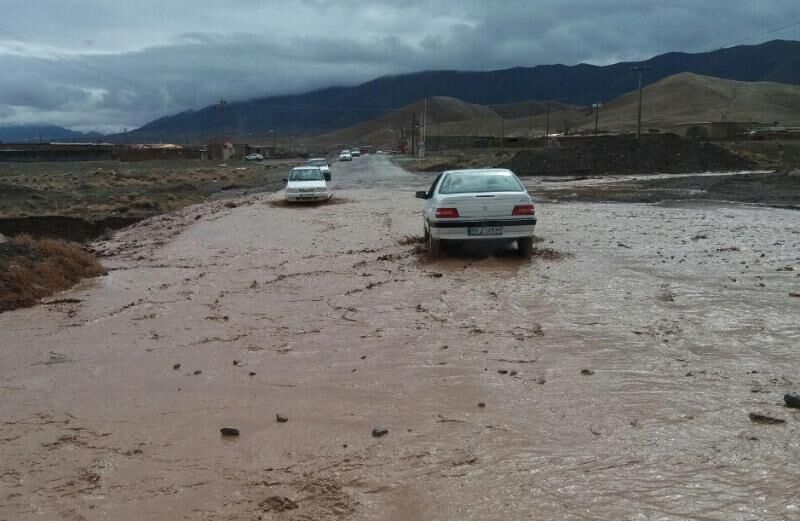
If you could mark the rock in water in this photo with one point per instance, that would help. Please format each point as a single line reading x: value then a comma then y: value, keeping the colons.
x: 767, y: 420
x: 377, y: 432
x: 281, y: 418
x: 229, y: 431
x: 792, y: 400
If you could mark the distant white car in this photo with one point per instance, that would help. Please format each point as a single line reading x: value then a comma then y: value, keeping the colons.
x: 485, y: 204
x: 254, y: 157
x: 306, y: 183
x: 322, y: 164
x: 355, y: 152
x: 345, y: 156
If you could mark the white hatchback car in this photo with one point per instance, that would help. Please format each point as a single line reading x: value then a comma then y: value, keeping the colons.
x: 467, y: 205
x: 306, y: 183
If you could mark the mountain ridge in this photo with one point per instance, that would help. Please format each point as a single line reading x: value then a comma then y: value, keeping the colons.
x: 331, y: 108
x: 44, y: 133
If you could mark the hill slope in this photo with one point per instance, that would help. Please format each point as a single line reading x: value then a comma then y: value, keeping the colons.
x: 385, y: 129
x: 333, y: 108
x: 682, y: 98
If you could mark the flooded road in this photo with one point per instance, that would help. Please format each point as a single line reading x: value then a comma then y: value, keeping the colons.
x: 611, y: 379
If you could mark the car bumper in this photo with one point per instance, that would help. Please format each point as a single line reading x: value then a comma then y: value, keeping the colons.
x: 459, y: 230
x: 312, y: 196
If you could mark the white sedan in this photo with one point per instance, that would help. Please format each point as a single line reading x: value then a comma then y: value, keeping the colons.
x: 323, y: 165
x: 485, y: 204
x: 345, y: 156
x: 254, y: 157
x: 306, y: 183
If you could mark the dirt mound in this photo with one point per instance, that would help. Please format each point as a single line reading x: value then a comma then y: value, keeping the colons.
x: 31, y: 269
x: 626, y: 156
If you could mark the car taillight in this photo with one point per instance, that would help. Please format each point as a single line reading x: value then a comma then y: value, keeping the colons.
x: 444, y: 213
x: 523, y: 209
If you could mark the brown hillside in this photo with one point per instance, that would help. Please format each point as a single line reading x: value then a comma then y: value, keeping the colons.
x: 386, y: 128
x: 682, y: 98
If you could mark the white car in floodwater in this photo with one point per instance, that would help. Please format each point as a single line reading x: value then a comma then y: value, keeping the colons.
x: 345, y: 156
x: 323, y: 165
x: 306, y: 183
x: 482, y: 204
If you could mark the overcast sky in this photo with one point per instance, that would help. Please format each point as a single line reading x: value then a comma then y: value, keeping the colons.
x: 100, y: 64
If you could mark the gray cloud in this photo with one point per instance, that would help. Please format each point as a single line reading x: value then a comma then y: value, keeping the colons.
x: 121, y: 64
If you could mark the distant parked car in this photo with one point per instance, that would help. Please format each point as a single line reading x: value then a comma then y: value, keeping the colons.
x: 322, y: 164
x: 345, y: 156
x: 306, y: 183
x: 254, y: 157
x: 355, y: 152
x: 485, y: 204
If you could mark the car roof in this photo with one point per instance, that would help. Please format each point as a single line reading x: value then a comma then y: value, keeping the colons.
x: 480, y: 171
x: 317, y: 159
x: 305, y: 168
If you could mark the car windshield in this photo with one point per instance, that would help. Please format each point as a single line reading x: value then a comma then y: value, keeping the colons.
x: 306, y: 175
x: 480, y: 182
x: 318, y: 162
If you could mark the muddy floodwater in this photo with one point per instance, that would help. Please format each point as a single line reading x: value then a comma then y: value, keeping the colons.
x: 609, y: 378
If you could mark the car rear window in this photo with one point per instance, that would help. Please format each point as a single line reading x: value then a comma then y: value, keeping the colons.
x: 318, y: 162
x: 480, y: 182
x: 306, y: 175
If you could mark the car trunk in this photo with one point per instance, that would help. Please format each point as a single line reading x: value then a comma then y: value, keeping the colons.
x: 484, y: 205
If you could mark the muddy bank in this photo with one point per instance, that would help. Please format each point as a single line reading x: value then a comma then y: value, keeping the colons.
x: 625, y: 156
x: 79, y: 201
x: 781, y: 190
x: 58, y: 226
x: 31, y: 269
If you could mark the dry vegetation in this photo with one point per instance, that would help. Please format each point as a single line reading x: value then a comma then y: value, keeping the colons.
x: 32, y: 269
x: 97, y: 190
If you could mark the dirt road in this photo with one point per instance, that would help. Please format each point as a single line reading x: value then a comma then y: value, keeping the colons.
x: 616, y: 382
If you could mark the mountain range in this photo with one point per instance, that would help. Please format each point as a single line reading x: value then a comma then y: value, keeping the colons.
x: 45, y: 133
x: 329, y: 109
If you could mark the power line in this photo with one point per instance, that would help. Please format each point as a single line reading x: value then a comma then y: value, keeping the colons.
x: 87, y: 69
x: 90, y: 70
x: 766, y: 33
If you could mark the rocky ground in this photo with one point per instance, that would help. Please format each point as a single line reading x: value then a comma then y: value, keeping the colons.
x: 624, y: 373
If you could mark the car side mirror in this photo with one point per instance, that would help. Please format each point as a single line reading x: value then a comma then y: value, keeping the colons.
x: 421, y: 195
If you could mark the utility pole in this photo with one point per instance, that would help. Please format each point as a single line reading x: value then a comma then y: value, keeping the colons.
x: 413, y: 134
x: 596, y: 107
x: 424, y: 130
x: 547, y: 127
x: 221, y: 107
x: 502, y: 132
x: 640, y: 69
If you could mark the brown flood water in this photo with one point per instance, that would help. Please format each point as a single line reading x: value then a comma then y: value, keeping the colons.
x: 326, y: 315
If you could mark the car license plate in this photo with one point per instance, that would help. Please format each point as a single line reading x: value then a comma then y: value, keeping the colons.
x: 484, y: 230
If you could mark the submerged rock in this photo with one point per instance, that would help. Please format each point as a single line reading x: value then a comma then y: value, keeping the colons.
x: 766, y: 420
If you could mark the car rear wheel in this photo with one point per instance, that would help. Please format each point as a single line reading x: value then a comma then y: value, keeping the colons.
x: 434, y: 245
x: 525, y: 247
